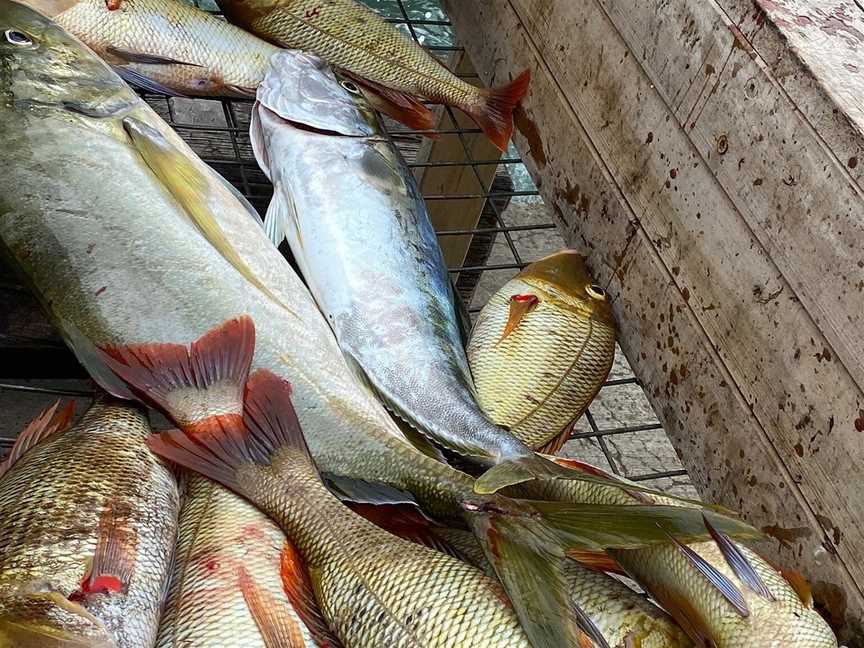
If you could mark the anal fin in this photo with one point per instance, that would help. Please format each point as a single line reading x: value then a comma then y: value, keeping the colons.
x: 401, y: 106
x: 49, y: 422
x: 278, y: 628
x: 297, y: 584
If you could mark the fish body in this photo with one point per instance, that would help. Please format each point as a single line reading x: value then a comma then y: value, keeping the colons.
x: 192, y: 52
x: 54, y: 501
x: 130, y: 244
x: 625, y: 618
x: 374, y: 589
x: 359, y: 230
x: 355, y: 38
x: 783, y: 620
x: 228, y: 554
x: 109, y: 215
x: 541, y: 348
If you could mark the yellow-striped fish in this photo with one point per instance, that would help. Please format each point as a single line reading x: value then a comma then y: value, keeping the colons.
x: 354, y: 38
x: 541, y: 349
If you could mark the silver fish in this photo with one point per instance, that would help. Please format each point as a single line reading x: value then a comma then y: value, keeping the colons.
x: 358, y: 227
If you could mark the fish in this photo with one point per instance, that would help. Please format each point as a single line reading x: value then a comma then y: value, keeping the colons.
x: 378, y: 56
x: 227, y: 581
x: 721, y: 592
x: 109, y: 215
x: 88, y: 517
x: 374, y: 589
x: 623, y: 617
x: 541, y: 349
x: 361, y: 235
x: 166, y: 46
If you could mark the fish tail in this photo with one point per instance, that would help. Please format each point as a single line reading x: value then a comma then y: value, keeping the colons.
x: 269, y: 427
x: 200, y: 386
x: 494, y: 115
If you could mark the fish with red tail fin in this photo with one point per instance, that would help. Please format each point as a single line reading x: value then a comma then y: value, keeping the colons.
x: 356, y: 39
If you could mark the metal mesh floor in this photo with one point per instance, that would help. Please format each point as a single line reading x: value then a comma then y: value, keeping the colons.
x: 620, y: 432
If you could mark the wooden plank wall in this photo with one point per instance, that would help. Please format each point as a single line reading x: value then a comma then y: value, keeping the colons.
x: 705, y: 157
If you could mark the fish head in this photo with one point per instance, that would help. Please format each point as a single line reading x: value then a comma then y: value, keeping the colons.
x: 562, y: 277
x: 44, y: 619
x: 43, y: 67
x: 303, y: 90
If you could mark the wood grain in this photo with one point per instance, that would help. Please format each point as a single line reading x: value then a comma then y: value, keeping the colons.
x: 634, y: 148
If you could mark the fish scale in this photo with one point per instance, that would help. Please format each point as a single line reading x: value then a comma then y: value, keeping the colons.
x: 376, y: 589
x: 349, y: 35
x: 219, y: 533
x: 51, y: 501
x: 545, y: 374
x: 223, y: 58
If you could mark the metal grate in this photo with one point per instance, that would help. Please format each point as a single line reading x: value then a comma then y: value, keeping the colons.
x: 620, y: 432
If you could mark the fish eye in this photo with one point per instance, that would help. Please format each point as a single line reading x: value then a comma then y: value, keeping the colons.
x: 350, y: 87
x: 595, y: 291
x: 16, y: 37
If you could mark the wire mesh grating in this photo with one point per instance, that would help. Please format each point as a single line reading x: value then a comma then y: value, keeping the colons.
x: 620, y: 431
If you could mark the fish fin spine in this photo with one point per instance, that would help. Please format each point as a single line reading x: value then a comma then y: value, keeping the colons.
x: 597, y: 560
x: 113, y: 564
x: 49, y: 422
x: 199, y: 387
x: 720, y: 582
x: 494, y: 115
x: 739, y: 564
x: 278, y: 627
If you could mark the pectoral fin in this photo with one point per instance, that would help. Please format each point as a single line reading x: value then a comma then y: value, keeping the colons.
x: 113, y: 562
x: 192, y: 189
x: 144, y: 58
x: 520, y: 306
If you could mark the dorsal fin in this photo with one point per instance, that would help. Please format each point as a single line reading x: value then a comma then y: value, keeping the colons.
x: 298, y: 588
x: 49, y: 422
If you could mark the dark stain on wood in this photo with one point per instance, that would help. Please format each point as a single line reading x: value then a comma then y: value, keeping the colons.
x: 529, y: 130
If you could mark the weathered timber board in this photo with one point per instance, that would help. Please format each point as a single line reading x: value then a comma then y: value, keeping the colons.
x: 748, y: 363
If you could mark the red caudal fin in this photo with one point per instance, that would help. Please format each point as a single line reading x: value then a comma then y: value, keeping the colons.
x: 200, y: 386
x: 495, y: 115
x: 49, y: 422
x: 269, y: 423
x: 113, y: 562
